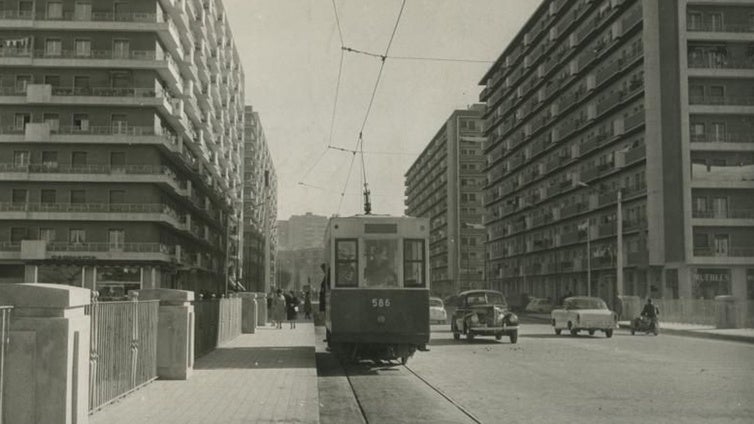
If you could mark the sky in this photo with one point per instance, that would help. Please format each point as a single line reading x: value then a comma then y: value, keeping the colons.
x: 291, y: 50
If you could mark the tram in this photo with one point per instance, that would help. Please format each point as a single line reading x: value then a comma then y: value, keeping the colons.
x: 377, y: 286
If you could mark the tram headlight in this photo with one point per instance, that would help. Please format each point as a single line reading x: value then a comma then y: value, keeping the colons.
x: 381, y: 319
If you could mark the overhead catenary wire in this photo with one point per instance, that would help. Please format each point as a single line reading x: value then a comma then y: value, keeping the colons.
x: 417, y: 58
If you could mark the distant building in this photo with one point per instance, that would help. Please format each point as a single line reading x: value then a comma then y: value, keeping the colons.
x: 300, y: 269
x: 120, y: 145
x: 445, y: 184
x: 260, y: 207
x: 652, y: 99
x: 303, y: 231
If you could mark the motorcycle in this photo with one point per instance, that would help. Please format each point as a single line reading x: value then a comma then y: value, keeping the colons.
x: 645, y: 324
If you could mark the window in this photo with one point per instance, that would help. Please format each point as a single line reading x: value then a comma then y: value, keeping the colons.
x: 78, y: 158
x: 50, y: 159
x: 717, y: 132
x: 720, y: 205
x: 26, y: 8
x: 21, y: 119
x: 17, y: 234
x: 22, y: 81
x: 117, y: 160
x: 80, y: 121
x: 82, y: 11
x: 716, y: 21
x: 54, y: 10
x: 53, y: 47
x: 53, y: 80
x: 694, y: 22
x: 21, y: 158
x: 78, y: 196
x: 717, y: 94
x: 53, y: 121
x: 119, y: 123
x: 83, y: 47
x: 47, y: 234
x: 81, y: 82
x: 700, y: 206
x: 117, y: 197
x: 77, y: 236
x: 414, y: 263
x: 346, y: 263
x: 381, y: 263
x: 121, y: 49
x: 116, y: 239
x: 696, y: 93
x: 721, y: 244
x: 697, y: 132
x: 48, y: 196
x: 19, y: 195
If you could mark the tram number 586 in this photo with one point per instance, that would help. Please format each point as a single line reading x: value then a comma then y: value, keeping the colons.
x: 380, y: 303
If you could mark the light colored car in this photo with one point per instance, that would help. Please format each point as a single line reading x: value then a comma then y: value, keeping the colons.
x: 539, y: 306
x: 584, y: 313
x: 437, y: 311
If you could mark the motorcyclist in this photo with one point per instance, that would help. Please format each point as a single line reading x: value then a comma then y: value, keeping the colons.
x: 651, y: 312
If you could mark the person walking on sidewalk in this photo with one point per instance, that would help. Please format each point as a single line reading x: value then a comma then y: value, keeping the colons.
x: 307, y: 305
x: 278, y: 308
x: 292, y: 308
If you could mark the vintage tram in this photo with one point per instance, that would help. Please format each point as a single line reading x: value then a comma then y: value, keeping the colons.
x: 377, y: 286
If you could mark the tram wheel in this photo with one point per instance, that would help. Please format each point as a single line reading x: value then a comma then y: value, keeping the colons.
x: 404, y: 360
x: 456, y: 335
x: 470, y: 337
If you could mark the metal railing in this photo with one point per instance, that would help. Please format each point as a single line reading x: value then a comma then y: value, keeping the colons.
x: 5, y: 313
x: 101, y: 54
x: 145, y: 247
x: 217, y: 321
x: 123, y: 348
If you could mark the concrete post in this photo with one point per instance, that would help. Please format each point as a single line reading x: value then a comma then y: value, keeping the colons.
x: 175, y: 332
x: 248, y: 312
x: 261, y: 309
x: 47, y: 362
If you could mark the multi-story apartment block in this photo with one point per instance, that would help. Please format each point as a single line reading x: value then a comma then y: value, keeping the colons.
x: 121, y: 130
x: 445, y: 185
x: 302, y: 231
x: 623, y: 127
x: 260, y: 207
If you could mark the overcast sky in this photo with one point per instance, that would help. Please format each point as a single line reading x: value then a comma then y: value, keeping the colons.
x: 291, y: 50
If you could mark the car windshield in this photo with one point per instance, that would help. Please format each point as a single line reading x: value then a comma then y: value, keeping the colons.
x: 588, y: 303
x: 485, y: 298
x: 435, y: 302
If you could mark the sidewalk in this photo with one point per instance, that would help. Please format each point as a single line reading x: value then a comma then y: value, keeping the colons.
x: 681, y: 329
x: 266, y: 377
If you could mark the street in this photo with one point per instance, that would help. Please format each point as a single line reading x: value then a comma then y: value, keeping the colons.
x: 547, y: 378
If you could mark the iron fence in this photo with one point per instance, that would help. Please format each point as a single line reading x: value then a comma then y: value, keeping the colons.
x: 5, y: 312
x: 217, y: 321
x: 123, y: 348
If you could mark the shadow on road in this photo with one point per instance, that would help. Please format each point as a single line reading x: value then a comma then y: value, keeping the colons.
x: 463, y: 342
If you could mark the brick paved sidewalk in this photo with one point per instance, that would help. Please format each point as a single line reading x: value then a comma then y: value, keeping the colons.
x: 267, y: 377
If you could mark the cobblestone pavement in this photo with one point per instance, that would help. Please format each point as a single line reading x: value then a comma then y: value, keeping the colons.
x: 267, y: 377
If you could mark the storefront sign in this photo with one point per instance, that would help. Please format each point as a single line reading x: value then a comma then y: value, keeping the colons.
x: 713, y: 275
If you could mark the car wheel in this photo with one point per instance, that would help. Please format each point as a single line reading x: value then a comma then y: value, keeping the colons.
x: 591, y: 332
x: 498, y: 336
x: 470, y: 337
x: 557, y: 331
x: 574, y: 332
x: 513, y: 336
x: 633, y: 331
x: 404, y: 360
x: 609, y: 333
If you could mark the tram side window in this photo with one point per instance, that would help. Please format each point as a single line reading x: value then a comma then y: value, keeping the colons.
x: 382, y: 262
x: 346, y: 263
x: 413, y: 263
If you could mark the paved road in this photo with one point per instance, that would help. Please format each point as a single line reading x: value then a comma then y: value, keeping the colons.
x: 558, y: 379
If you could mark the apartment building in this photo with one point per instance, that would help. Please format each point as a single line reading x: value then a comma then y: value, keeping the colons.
x: 260, y: 207
x: 121, y: 136
x: 445, y: 185
x: 302, y: 231
x: 621, y: 155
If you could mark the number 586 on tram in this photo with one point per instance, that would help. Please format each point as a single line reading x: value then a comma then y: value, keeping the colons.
x: 377, y: 294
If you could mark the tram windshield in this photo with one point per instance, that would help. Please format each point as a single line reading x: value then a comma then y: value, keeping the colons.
x: 381, y: 263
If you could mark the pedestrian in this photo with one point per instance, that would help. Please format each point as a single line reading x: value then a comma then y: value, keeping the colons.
x: 270, y: 296
x: 307, y: 305
x: 278, y: 308
x: 292, y: 308
x: 323, y: 288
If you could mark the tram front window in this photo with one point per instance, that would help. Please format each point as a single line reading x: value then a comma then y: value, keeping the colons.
x: 346, y: 263
x: 381, y: 263
x: 413, y: 263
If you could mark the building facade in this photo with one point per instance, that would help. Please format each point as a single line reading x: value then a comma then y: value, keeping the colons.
x: 445, y: 185
x: 260, y: 207
x: 620, y: 158
x: 121, y: 130
x: 302, y: 231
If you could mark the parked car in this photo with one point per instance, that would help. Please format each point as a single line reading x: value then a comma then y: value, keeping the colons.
x: 483, y: 313
x: 437, y: 312
x: 584, y: 313
x: 539, y: 306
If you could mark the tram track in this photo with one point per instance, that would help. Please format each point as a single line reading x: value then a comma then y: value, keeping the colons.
x: 365, y: 410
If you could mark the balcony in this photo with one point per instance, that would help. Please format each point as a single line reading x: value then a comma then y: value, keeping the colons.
x: 113, y: 251
x: 730, y: 175
x: 728, y: 100
x: 728, y: 137
x: 714, y: 61
x: 737, y: 213
x: 692, y: 26
x: 735, y: 252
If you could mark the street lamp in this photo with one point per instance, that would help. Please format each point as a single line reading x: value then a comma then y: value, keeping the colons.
x: 619, y: 231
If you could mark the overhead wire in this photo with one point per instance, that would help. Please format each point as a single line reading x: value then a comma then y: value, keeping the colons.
x: 420, y: 58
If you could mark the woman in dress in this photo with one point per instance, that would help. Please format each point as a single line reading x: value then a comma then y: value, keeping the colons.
x: 278, y: 308
x: 291, y: 308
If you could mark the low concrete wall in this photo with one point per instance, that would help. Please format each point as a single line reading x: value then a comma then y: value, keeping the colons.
x: 46, y: 379
x: 248, y: 312
x: 175, y: 332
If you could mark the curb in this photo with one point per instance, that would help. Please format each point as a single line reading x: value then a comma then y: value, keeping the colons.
x: 702, y: 334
